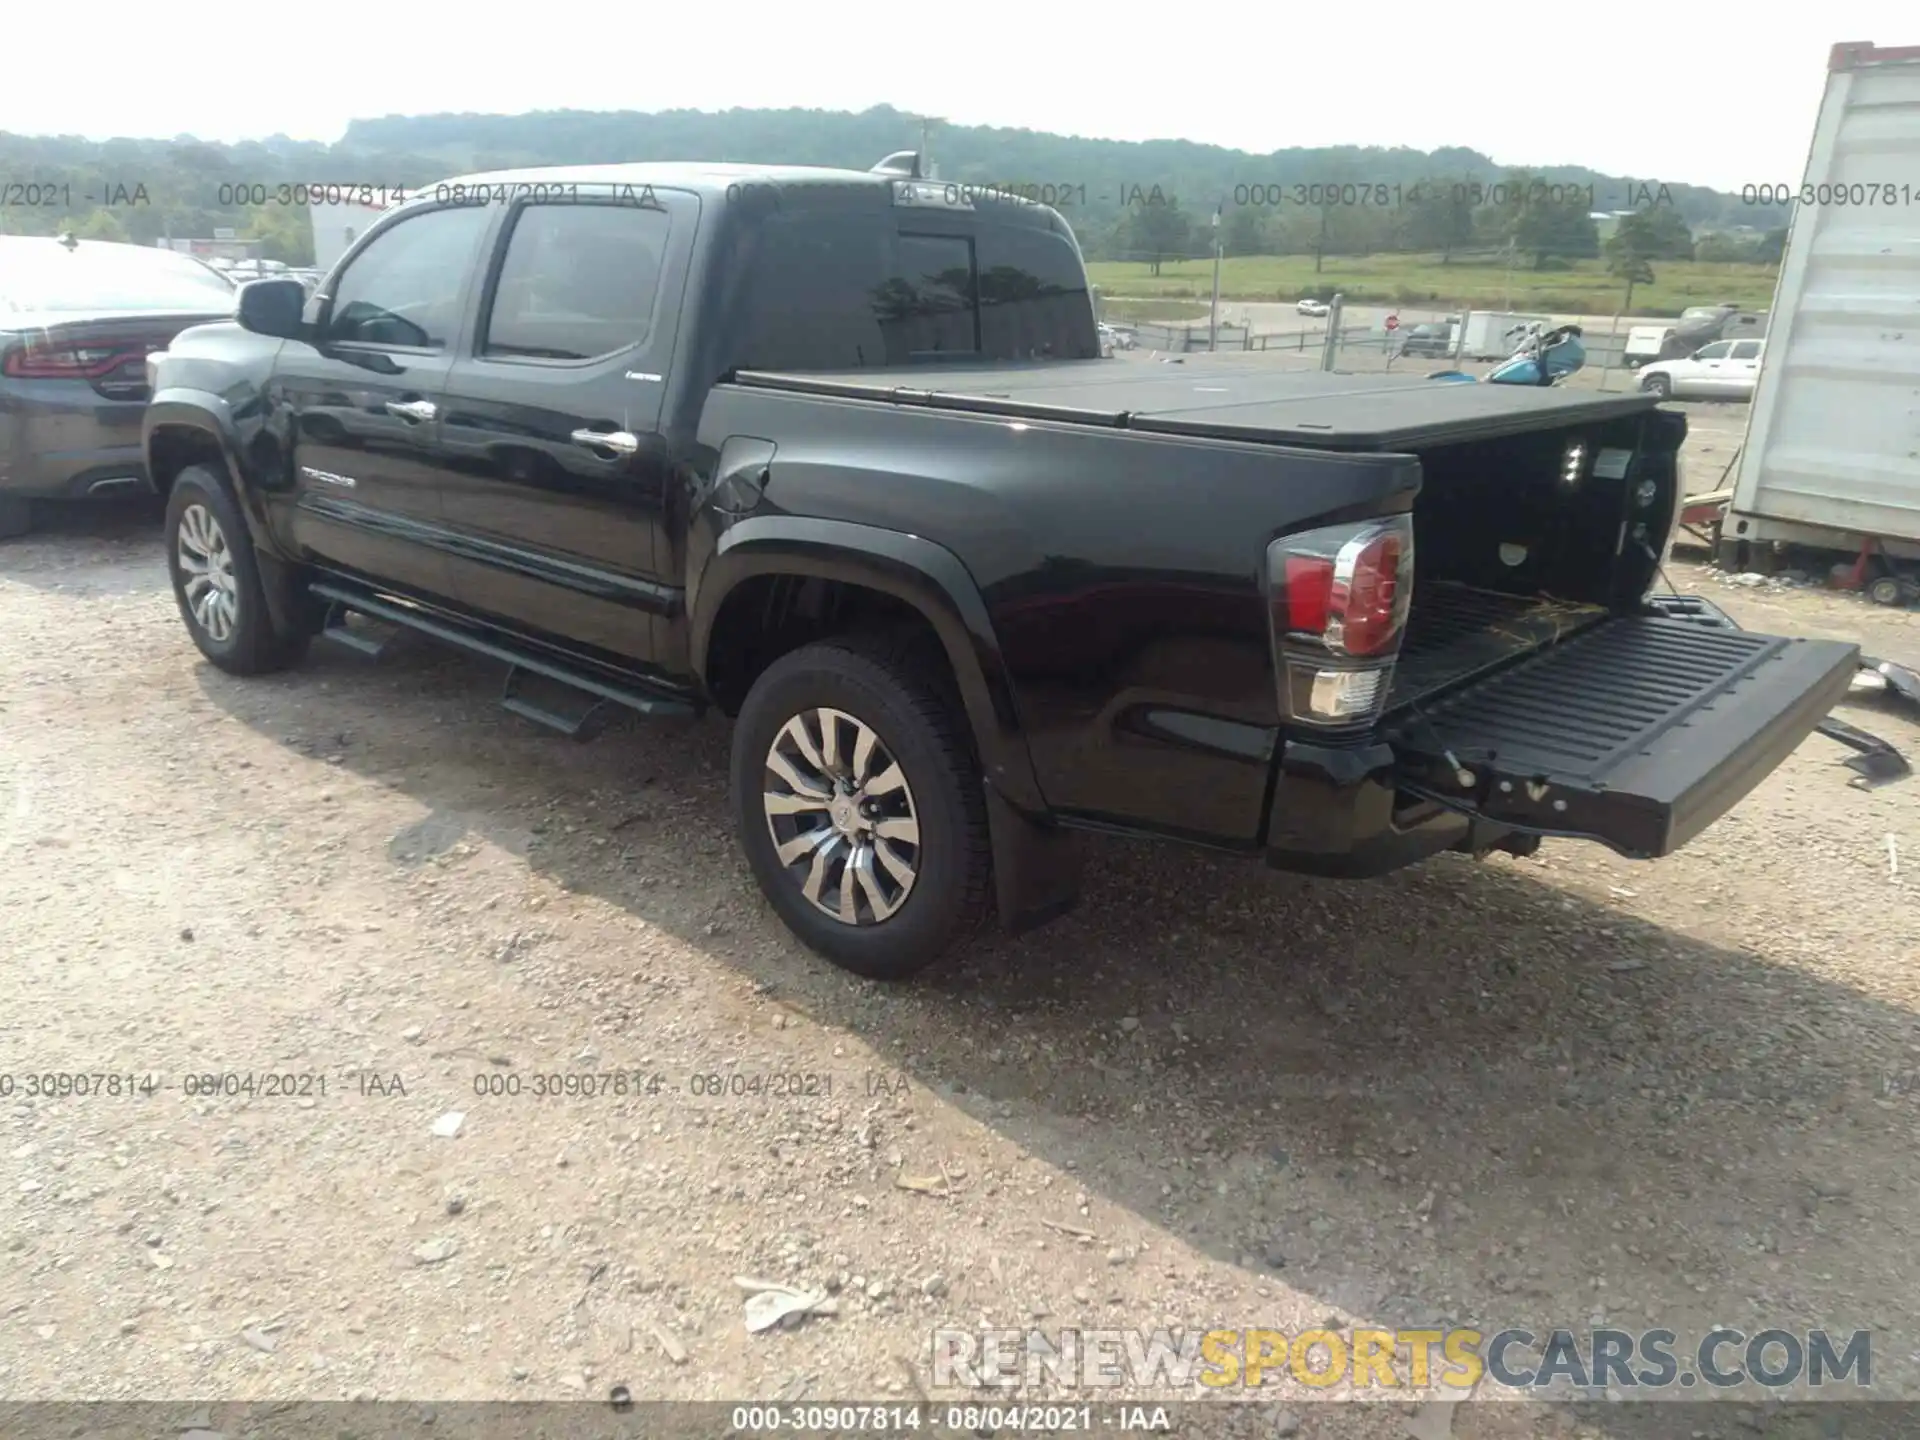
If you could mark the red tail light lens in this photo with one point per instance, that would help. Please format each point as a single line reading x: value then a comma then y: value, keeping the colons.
x: 1309, y: 593
x: 1368, y: 595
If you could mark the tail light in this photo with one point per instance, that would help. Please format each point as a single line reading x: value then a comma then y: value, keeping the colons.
x: 1338, y: 600
x: 73, y: 359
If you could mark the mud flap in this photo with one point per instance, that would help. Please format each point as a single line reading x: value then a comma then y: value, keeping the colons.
x: 1638, y: 733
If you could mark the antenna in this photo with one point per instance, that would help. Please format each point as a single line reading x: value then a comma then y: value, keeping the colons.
x: 928, y: 124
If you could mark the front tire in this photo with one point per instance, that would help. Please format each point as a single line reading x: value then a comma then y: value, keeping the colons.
x: 216, y: 579
x: 16, y: 517
x: 1659, y: 385
x: 860, y: 806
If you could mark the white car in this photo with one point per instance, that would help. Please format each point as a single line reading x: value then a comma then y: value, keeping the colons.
x: 1724, y: 370
x: 1313, y: 307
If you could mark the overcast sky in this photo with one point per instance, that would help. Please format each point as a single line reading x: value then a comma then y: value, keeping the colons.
x: 1714, y: 94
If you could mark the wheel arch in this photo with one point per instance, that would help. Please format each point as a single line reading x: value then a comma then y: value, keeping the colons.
x: 196, y: 427
x: 916, y: 575
x: 183, y: 428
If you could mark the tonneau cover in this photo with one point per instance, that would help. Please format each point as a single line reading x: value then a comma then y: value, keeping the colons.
x: 1230, y: 397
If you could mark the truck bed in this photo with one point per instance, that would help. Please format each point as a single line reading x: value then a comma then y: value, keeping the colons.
x: 1226, y: 398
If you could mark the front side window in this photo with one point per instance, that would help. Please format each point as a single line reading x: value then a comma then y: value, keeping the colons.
x: 1717, y: 351
x: 578, y: 281
x: 404, y: 289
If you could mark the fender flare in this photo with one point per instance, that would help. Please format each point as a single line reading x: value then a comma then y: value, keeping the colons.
x: 182, y: 408
x: 925, y: 575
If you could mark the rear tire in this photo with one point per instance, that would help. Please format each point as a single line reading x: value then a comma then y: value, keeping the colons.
x: 1887, y: 590
x: 16, y: 518
x: 216, y: 579
x: 898, y: 840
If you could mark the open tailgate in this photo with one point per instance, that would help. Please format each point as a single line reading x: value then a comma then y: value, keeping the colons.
x: 1638, y: 733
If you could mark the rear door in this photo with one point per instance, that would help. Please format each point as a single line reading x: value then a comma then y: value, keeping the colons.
x: 1743, y: 368
x: 360, y: 402
x: 554, y: 471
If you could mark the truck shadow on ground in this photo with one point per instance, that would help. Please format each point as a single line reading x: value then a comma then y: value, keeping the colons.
x: 1460, y: 1094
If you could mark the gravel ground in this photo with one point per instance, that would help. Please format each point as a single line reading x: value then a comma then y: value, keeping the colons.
x: 1550, y: 1091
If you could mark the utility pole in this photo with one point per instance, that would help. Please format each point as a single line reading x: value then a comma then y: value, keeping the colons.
x: 1213, y: 317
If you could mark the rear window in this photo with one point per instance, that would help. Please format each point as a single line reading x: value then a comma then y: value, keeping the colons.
x: 578, y: 281
x: 845, y: 289
x: 44, y: 275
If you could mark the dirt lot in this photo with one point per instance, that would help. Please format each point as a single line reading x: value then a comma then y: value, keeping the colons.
x: 1555, y: 1091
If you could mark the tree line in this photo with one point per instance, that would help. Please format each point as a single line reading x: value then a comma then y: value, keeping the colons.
x: 1150, y: 201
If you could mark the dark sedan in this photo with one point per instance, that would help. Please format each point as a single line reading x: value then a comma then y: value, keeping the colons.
x: 1432, y: 340
x: 77, y: 321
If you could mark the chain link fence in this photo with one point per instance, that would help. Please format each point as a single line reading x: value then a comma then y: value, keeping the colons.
x: 1422, y: 342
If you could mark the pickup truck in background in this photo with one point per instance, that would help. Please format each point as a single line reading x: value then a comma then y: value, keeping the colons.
x: 836, y: 454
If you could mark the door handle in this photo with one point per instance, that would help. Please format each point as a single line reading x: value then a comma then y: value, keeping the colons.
x: 621, y: 442
x: 412, y: 409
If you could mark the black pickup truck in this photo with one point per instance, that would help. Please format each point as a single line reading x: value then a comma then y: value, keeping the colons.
x: 837, y: 454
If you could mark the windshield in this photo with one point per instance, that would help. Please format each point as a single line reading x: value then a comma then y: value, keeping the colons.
x: 1700, y: 312
x: 44, y: 275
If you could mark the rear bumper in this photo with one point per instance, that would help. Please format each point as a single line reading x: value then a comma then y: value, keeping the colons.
x: 1338, y: 812
x: 69, y: 447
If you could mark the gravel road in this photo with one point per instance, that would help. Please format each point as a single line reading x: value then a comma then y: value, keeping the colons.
x: 1555, y: 1091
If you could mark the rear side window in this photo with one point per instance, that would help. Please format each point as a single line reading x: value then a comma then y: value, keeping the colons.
x: 1746, y: 350
x: 578, y: 281
x: 810, y: 302
x: 843, y: 290
x: 404, y: 289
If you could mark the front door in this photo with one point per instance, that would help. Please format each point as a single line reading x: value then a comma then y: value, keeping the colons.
x: 1706, y: 373
x: 360, y: 402
x: 555, y: 470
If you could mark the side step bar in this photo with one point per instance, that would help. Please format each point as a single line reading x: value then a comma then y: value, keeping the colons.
x: 521, y: 662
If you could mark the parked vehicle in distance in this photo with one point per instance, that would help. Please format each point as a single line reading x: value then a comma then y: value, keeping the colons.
x: 834, y: 454
x: 1313, y: 307
x: 1431, y: 338
x: 78, y: 319
x: 1724, y: 370
x: 1645, y: 344
x: 1701, y: 325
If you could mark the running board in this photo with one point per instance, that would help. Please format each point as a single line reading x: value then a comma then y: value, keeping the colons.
x: 522, y: 663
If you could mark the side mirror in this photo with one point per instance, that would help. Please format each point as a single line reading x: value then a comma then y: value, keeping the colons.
x: 273, y: 307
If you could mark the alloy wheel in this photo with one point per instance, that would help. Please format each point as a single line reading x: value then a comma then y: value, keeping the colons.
x: 207, y: 575
x: 842, y: 816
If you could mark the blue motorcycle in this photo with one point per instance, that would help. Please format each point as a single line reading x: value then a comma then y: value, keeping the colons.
x: 1544, y: 357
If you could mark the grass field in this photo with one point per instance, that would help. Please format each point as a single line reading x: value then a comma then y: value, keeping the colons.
x: 1583, y: 289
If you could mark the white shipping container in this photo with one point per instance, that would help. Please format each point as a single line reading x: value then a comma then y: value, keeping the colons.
x: 1832, y: 450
